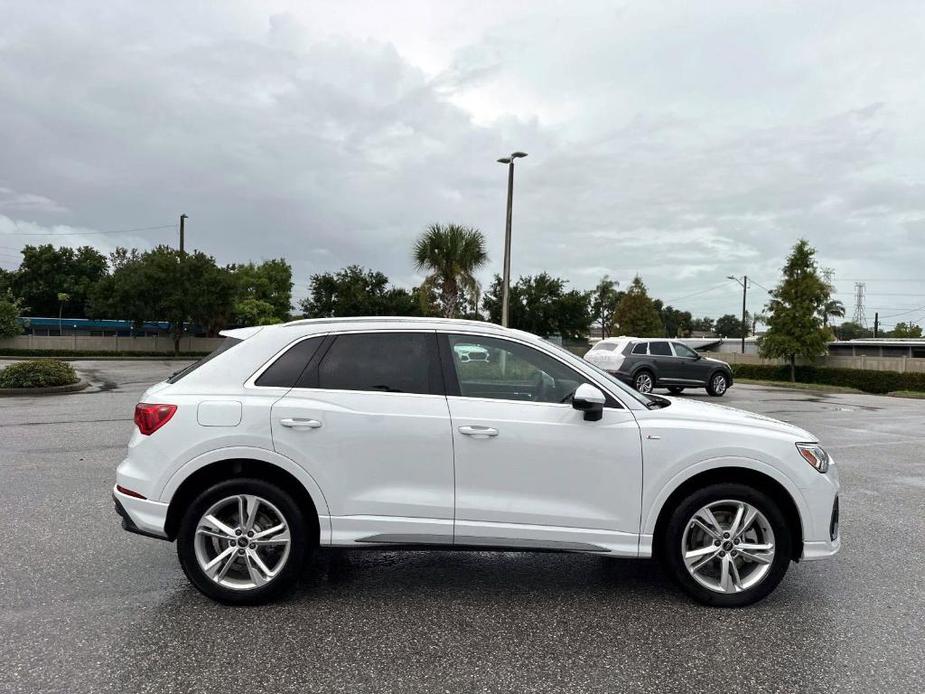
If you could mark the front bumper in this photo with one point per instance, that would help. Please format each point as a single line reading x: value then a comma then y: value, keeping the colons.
x: 141, y: 516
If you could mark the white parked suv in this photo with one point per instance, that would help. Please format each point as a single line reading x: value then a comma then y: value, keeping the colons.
x: 298, y: 436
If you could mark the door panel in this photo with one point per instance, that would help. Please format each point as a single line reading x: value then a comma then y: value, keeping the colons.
x: 690, y: 369
x: 530, y: 470
x: 547, y: 474
x: 379, y: 444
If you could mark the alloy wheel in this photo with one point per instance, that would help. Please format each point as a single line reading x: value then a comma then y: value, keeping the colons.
x: 644, y: 383
x: 242, y: 542
x: 719, y: 384
x: 728, y: 546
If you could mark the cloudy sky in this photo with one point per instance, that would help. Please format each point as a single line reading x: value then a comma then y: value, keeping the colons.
x: 681, y: 141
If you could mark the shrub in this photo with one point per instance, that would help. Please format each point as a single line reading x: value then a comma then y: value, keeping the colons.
x: 39, y: 373
x: 863, y: 379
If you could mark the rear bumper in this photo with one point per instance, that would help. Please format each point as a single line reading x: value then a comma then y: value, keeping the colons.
x: 141, y: 516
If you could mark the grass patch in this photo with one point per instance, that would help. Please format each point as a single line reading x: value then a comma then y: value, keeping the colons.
x: 801, y: 386
x: 914, y: 394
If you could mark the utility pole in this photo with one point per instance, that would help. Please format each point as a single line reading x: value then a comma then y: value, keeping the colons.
x: 183, y: 219
x: 506, y: 280
x: 744, y: 283
x: 876, y: 324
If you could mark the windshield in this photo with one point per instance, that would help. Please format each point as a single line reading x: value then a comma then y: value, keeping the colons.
x: 612, y: 380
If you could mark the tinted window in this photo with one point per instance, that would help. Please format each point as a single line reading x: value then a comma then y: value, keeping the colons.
x: 661, y: 349
x: 605, y: 346
x: 285, y: 371
x: 227, y: 344
x: 640, y: 348
x: 511, y: 371
x: 387, y: 362
x: 683, y: 350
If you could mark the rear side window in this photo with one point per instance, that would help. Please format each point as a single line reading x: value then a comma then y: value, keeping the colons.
x: 384, y: 362
x: 605, y: 346
x: 227, y: 344
x: 661, y: 349
x: 286, y: 370
x: 640, y: 348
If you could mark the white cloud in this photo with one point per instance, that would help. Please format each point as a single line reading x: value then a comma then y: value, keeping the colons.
x: 683, y: 142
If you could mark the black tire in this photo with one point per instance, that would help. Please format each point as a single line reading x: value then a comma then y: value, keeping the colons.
x: 639, y: 380
x: 675, y: 390
x: 300, y: 544
x: 670, y: 545
x: 716, y: 389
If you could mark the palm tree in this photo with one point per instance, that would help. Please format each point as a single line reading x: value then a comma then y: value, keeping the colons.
x: 832, y: 307
x: 451, y: 254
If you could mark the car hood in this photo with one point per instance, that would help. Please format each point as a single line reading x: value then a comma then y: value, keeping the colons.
x: 684, y: 409
x: 715, y: 361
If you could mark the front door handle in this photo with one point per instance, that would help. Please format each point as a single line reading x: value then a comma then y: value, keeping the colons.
x: 478, y: 432
x: 300, y: 423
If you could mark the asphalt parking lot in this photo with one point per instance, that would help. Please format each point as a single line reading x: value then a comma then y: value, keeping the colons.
x: 86, y: 607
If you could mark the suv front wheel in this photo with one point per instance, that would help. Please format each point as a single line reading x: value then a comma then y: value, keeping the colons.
x: 718, y: 384
x: 727, y: 545
x: 242, y: 542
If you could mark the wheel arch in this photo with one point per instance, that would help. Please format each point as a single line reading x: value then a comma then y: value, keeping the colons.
x: 753, y: 478
x: 234, y: 467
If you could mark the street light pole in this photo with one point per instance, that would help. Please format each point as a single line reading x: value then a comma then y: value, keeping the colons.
x: 744, y: 283
x: 183, y: 219
x: 506, y: 279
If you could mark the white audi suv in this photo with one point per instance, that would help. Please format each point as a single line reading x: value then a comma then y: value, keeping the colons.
x: 298, y: 436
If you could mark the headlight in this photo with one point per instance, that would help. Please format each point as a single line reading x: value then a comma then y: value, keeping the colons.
x: 814, y: 455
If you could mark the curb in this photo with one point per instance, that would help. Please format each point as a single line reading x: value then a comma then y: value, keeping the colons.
x: 48, y: 390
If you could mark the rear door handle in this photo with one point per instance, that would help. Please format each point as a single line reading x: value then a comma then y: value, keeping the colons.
x: 478, y: 432
x: 300, y: 423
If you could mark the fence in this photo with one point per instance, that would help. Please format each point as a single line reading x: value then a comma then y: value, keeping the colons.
x: 900, y: 364
x: 112, y: 343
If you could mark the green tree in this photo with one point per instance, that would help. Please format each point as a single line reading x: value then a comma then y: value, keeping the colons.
x: 833, y: 309
x: 10, y: 310
x: 702, y: 325
x: 637, y: 314
x: 604, y: 299
x: 165, y: 285
x: 730, y: 326
x: 542, y: 305
x: 46, y: 271
x: 355, y: 291
x: 269, y: 282
x: 254, y: 312
x: 849, y: 330
x: 450, y: 255
x: 905, y: 330
x: 795, y: 311
x: 677, y: 323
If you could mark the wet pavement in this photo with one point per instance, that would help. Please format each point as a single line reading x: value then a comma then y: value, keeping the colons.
x: 86, y: 607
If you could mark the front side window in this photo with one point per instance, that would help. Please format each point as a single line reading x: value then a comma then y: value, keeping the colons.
x: 383, y: 362
x: 683, y: 351
x: 660, y: 349
x: 510, y: 371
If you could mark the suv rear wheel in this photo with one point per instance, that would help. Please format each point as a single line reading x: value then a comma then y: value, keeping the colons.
x: 727, y: 545
x: 242, y: 541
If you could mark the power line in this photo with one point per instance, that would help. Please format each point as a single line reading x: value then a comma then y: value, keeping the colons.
x: 704, y: 291
x: 86, y: 233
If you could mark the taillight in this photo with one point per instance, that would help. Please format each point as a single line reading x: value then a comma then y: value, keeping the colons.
x: 149, y: 418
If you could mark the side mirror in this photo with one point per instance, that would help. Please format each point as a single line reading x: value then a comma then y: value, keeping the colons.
x: 589, y: 400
